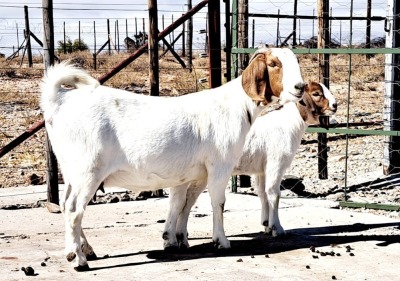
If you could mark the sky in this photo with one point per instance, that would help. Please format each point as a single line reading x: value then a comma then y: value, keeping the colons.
x: 93, y: 15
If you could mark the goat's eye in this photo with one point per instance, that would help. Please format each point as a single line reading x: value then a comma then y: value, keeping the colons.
x: 315, y: 94
x: 272, y: 64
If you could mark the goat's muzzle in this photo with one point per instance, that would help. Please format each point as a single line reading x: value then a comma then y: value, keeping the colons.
x: 300, y: 87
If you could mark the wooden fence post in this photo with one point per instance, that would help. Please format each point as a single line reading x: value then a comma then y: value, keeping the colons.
x: 65, y: 40
x: 277, y: 29
x: 323, y: 42
x: 153, y: 48
x: 153, y: 56
x: 183, y: 41
x: 368, y: 29
x: 295, y: 23
x: 109, y: 37
x: 214, y: 43
x: 243, y: 42
x: 135, y: 26
x: 126, y: 28
x: 189, y: 40
x: 228, y: 40
x: 48, y: 49
x: 243, y: 32
x: 79, y: 35
x: 253, y: 33
x: 28, y: 37
x: 94, y: 46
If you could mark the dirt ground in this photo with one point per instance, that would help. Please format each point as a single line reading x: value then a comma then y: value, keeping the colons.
x: 323, y: 242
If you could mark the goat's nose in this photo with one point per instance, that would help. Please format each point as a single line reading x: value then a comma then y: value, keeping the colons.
x: 300, y: 86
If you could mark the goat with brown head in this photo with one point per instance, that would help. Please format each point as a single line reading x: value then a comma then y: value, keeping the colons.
x: 317, y: 101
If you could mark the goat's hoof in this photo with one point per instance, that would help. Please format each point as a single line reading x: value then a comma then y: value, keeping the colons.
x: 222, y: 251
x: 171, y: 249
x: 268, y: 232
x: 91, y: 257
x: 82, y: 268
x: 71, y: 256
x: 278, y: 234
x: 219, y: 248
x: 183, y: 247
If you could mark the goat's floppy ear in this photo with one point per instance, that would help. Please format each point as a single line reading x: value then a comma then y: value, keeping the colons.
x: 307, y: 110
x: 255, y: 79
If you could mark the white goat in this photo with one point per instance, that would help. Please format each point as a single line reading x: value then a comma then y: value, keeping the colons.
x: 268, y: 151
x: 100, y: 134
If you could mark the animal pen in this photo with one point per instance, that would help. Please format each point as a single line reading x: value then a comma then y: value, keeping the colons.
x: 356, y: 158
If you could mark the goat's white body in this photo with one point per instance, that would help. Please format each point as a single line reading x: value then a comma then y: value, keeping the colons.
x: 274, y: 138
x: 147, y: 143
x: 268, y: 152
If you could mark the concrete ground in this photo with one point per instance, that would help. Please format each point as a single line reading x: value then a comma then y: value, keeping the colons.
x: 126, y: 237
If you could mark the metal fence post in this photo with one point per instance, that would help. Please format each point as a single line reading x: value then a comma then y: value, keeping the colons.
x: 391, y: 163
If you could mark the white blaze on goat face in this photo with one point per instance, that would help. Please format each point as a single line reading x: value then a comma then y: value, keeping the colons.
x: 293, y: 84
x: 328, y: 95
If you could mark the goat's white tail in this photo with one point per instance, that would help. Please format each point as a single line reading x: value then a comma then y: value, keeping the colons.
x: 63, y: 74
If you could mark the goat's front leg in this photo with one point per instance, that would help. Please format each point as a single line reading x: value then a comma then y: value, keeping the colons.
x: 216, y: 189
x: 272, y: 188
x: 177, y: 201
x: 260, y: 186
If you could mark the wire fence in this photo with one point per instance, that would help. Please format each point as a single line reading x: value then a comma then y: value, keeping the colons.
x: 359, y: 136
x: 355, y: 160
x: 93, y: 28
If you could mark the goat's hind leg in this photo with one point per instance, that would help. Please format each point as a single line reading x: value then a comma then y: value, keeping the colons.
x: 86, y: 248
x: 75, y: 205
x: 177, y: 201
x: 181, y: 227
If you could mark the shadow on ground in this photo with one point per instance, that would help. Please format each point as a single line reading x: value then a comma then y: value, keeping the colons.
x: 260, y: 244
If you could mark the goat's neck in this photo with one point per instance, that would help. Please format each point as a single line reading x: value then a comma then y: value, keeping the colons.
x: 234, y: 88
x: 302, y: 110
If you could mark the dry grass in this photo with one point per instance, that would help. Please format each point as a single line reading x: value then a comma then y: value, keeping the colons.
x: 173, y: 78
x: 19, y: 96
